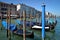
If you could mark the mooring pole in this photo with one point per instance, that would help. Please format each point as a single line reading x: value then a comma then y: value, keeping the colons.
x: 20, y: 17
x: 43, y: 21
x: 37, y: 19
x: 1, y: 20
x: 30, y: 17
x: 30, y: 20
x: 24, y: 25
x: 7, y: 24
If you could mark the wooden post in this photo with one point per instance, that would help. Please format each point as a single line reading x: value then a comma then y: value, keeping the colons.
x: 30, y: 18
x: 24, y: 25
x: 1, y: 20
x: 7, y: 23
x: 36, y: 18
x: 20, y: 16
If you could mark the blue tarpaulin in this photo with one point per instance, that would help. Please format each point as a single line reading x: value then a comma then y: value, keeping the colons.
x: 10, y: 27
x: 19, y: 22
x: 27, y: 22
x: 4, y: 23
x: 51, y: 20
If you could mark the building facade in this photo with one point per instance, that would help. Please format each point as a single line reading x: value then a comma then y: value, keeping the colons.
x: 6, y: 8
x: 29, y: 10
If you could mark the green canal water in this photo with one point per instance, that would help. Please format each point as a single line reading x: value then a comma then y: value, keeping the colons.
x: 50, y: 35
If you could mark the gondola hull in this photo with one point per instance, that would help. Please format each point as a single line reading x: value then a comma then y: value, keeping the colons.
x: 40, y: 27
x: 28, y: 34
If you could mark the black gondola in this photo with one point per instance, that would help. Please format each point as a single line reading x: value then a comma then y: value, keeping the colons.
x: 15, y: 30
x: 20, y: 33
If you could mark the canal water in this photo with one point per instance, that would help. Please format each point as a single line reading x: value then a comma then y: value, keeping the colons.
x: 50, y: 35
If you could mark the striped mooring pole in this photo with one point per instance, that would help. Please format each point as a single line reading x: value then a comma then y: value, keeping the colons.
x: 43, y: 21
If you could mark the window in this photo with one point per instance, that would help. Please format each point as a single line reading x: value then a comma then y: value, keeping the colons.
x: 4, y: 9
x: 1, y: 5
x: 3, y: 12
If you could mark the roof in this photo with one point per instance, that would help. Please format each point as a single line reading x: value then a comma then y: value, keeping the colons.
x: 8, y: 3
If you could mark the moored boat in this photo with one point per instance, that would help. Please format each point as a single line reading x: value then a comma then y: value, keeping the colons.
x: 19, y: 32
x: 15, y: 30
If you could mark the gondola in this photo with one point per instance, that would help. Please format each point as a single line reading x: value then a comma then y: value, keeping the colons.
x: 48, y: 26
x: 39, y: 27
x: 16, y: 31
x: 20, y: 22
x: 28, y: 34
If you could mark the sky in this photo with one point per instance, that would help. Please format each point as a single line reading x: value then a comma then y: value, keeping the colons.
x: 51, y: 5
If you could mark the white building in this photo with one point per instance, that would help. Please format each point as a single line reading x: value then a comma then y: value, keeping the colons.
x: 28, y: 9
x: 48, y: 14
